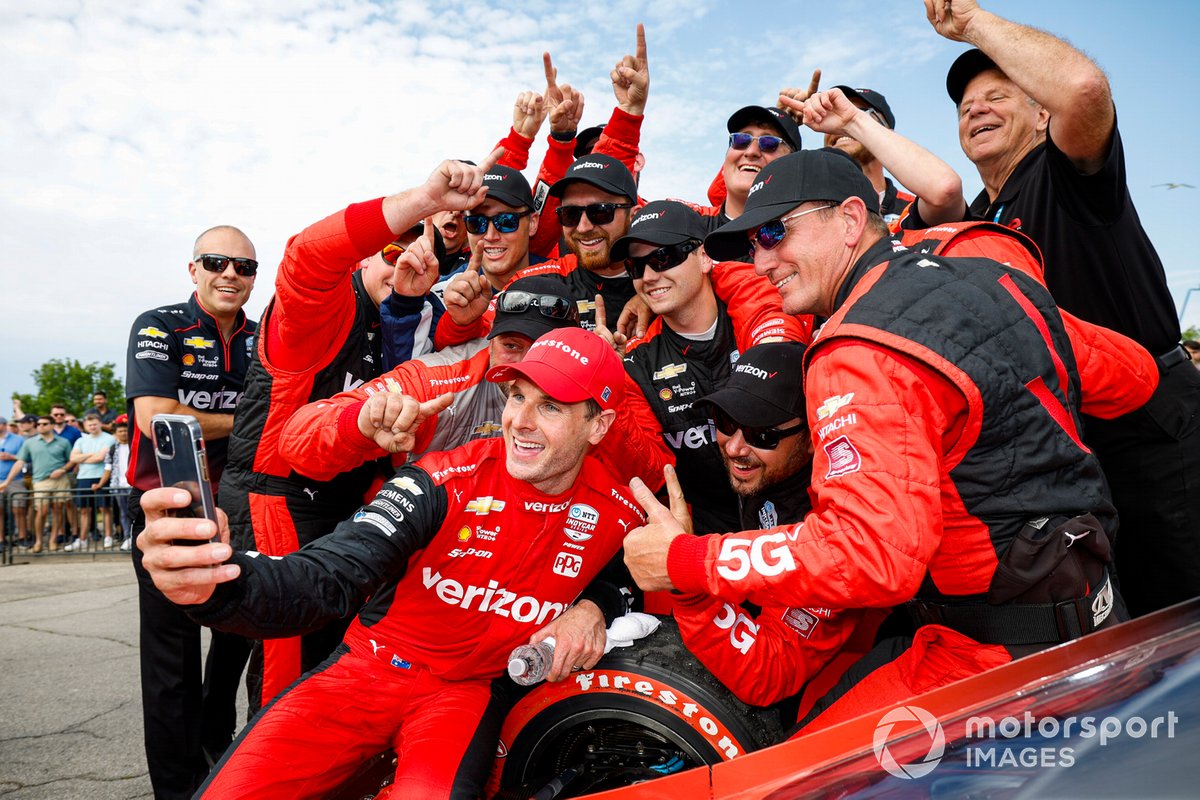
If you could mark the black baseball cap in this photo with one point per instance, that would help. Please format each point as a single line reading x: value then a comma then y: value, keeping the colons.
x: 964, y: 68
x: 602, y: 171
x: 661, y: 222
x: 765, y: 387
x: 508, y: 186
x: 875, y: 100
x: 586, y: 139
x: 772, y: 116
x: 785, y: 183
x: 28, y: 418
x: 532, y: 322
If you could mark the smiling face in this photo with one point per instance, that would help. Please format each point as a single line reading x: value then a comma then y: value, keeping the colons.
x: 504, y: 254
x: 378, y: 275
x: 741, y: 167
x: 997, y: 121
x: 752, y: 470
x: 673, y: 293
x: 545, y: 440
x: 222, y: 293
x: 809, y: 264
x: 592, y: 243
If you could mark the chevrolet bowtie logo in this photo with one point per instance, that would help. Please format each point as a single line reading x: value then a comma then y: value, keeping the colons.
x: 406, y: 483
x: 153, y: 332
x: 199, y: 342
x: 487, y: 429
x: 670, y: 371
x: 585, y: 306
x: 832, y: 404
x: 485, y: 505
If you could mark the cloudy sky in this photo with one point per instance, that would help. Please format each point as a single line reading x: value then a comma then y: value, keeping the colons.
x: 127, y: 128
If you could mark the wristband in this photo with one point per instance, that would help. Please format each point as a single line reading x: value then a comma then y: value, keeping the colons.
x: 562, y: 136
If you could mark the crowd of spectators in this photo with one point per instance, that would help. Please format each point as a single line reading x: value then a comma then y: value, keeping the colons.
x: 62, y: 485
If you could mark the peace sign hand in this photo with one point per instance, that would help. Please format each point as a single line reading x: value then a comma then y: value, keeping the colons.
x: 646, y: 548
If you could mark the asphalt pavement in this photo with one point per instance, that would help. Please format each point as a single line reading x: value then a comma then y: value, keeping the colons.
x: 70, y: 707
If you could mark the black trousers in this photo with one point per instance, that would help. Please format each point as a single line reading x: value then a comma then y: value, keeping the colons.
x: 184, y: 712
x: 1151, y: 458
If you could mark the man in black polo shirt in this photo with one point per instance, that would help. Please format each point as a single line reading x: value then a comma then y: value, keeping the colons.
x: 188, y: 358
x: 1055, y: 168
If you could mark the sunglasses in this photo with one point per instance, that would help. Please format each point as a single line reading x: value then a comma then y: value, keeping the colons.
x: 769, y: 235
x: 662, y: 259
x: 504, y: 222
x: 391, y: 253
x: 758, y: 438
x: 597, y: 213
x: 548, y: 305
x: 766, y: 144
x: 212, y: 262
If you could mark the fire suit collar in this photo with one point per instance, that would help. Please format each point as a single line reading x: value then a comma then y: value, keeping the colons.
x: 881, y: 251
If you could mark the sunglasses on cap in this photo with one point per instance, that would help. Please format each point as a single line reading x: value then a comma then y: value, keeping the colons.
x: 514, y: 301
x: 662, y: 259
x: 212, y: 262
x: 769, y: 235
x: 597, y: 213
x: 758, y: 438
x: 391, y: 253
x: 767, y: 144
x: 504, y: 222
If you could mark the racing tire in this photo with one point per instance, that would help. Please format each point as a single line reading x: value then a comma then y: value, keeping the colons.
x: 643, y: 711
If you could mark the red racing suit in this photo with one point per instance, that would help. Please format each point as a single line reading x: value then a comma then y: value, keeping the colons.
x: 322, y: 438
x: 271, y: 508
x: 451, y: 565
x: 943, y: 403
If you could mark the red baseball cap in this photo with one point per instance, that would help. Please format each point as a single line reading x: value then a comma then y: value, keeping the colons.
x: 570, y: 365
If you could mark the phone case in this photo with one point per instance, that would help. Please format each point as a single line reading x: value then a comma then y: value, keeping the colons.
x: 182, y: 462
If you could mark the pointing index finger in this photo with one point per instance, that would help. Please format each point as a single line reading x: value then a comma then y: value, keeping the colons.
x: 491, y: 160
x: 551, y: 72
x: 641, y: 43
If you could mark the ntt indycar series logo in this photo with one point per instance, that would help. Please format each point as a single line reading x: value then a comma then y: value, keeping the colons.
x: 1003, y: 743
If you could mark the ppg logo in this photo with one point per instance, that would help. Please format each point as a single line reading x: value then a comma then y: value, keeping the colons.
x: 568, y: 565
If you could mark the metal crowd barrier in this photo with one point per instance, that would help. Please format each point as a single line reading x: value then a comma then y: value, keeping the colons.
x: 108, y: 515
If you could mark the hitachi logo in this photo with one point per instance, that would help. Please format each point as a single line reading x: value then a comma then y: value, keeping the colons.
x: 493, y: 598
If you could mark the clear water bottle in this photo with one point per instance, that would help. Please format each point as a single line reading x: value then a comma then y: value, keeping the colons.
x: 529, y: 663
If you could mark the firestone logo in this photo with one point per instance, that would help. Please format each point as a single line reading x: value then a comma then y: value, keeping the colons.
x: 933, y: 752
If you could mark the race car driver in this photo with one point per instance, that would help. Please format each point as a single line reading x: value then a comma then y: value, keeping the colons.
x: 948, y: 469
x: 335, y: 277
x: 458, y: 559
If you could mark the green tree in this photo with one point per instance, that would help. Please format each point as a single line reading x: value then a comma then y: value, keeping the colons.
x: 68, y: 382
x: 1192, y: 333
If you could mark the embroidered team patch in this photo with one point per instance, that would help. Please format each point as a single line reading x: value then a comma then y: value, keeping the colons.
x: 801, y: 621
x: 843, y: 457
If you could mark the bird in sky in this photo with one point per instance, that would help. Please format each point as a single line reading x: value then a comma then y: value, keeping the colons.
x: 1174, y: 185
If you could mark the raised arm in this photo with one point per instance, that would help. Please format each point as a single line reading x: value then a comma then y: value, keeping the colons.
x: 1063, y: 80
